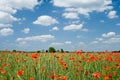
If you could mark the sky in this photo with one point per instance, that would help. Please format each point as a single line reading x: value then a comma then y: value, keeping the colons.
x: 31, y: 25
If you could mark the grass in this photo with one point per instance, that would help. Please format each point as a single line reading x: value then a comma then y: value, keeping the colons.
x: 59, y: 66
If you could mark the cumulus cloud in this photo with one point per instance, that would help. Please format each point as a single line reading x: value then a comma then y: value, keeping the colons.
x: 94, y: 42
x: 7, y: 5
x: 26, y: 30
x: 118, y: 24
x: 73, y: 27
x: 45, y: 20
x: 113, y: 40
x: 102, y: 21
x: 84, y: 6
x: 68, y: 42
x: 6, y: 31
x: 5, y: 25
x: 56, y: 44
x: 81, y: 43
x: 109, y: 34
x: 112, y: 14
x: 99, y: 39
x: 7, y: 9
x: 70, y: 15
x: 6, y: 18
x: 55, y: 28
x: 42, y: 38
x: 61, y: 43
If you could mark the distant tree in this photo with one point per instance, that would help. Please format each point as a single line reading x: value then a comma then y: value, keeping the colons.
x: 46, y: 51
x: 119, y: 51
x: 67, y: 51
x: 38, y: 51
x: 52, y: 49
x: 14, y: 51
x: 61, y: 50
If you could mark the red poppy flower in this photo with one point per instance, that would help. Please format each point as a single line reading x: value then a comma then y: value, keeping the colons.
x: 3, y: 71
x: 64, y: 77
x: 96, y: 75
x: 31, y: 78
x: 52, y: 77
x: 20, y: 73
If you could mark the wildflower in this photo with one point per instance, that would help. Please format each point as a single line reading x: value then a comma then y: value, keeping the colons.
x: 35, y: 55
x: 8, y: 64
x: 43, y: 68
x: 64, y: 77
x: 4, y: 64
x: 76, y: 74
x: 11, y: 52
x: 31, y: 78
x: 115, y: 73
x: 3, y: 71
x: 109, y: 75
x: 52, y: 77
x: 58, y: 77
x: 20, y: 73
x: 106, y: 78
x: 62, y: 63
x: 72, y: 59
x: 105, y: 67
x: 86, y: 73
x: 96, y: 75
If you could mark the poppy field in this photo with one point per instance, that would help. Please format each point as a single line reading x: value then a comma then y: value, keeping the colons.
x: 59, y: 66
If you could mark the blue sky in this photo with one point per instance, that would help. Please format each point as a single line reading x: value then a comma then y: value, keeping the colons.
x: 90, y: 25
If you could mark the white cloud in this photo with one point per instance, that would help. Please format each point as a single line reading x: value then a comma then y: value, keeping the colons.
x: 99, y: 39
x: 81, y: 3
x: 5, y: 25
x: 55, y: 28
x: 7, y: 5
x: 70, y: 15
x: 109, y: 34
x: 42, y: 38
x: 102, y: 21
x: 118, y: 24
x: 112, y: 14
x: 79, y: 10
x: 45, y: 20
x: 94, y: 42
x: 22, y: 43
x: 61, y: 43
x: 10, y: 7
x: 6, y: 18
x: 26, y: 30
x: 6, y: 31
x: 113, y: 40
x: 56, y: 44
x: 68, y: 42
x: 85, y: 30
x: 81, y: 43
x: 73, y: 27
x: 84, y: 6
x: 78, y: 36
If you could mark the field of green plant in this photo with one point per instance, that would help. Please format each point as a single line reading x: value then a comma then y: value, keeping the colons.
x: 59, y: 66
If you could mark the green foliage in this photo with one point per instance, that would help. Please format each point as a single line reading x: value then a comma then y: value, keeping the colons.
x: 61, y: 50
x: 14, y: 51
x: 52, y: 49
x: 38, y: 51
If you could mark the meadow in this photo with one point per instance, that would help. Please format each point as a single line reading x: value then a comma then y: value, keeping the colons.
x: 59, y: 66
